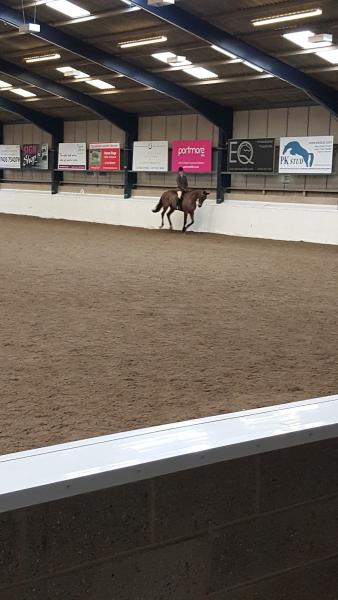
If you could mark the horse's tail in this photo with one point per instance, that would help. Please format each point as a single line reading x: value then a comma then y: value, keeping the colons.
x: 311, y: 157
x: 158, y: 206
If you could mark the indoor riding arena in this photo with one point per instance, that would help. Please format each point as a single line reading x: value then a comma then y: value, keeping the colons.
x: 168, y: 293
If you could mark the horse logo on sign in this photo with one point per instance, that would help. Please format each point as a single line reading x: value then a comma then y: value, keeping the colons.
x: 295, y: 149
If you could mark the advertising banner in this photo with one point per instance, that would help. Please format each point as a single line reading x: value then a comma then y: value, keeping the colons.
x: 10, y: 157
x: 150, y: 156
x: 251, y: 155
x: 104, y: 157
x: 72, y: 157
x: 34, y: 156
x: 306, y: 155
x: 195, y: 156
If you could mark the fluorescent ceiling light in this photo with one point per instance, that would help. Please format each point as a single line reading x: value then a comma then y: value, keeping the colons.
x: 4, y: 85
x: 98, y: 83
x: 143, y: 42
x: 301, y: 39
x: 70, y: 72
x: 131, y: 4
x: 34, y: 59
x: 179, y: 62
x: 330, y: 56
x: 68, y: 8
x: 84, y: 19
x: 294, y: 16
x: 229, y: 54
x: 23, y: 93
x: 249, y: 64
x: 200, y: 73
x: 164, y: 56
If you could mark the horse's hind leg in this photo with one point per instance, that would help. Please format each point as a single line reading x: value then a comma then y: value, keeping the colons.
x: 169, y: 219
x: 162, y: 215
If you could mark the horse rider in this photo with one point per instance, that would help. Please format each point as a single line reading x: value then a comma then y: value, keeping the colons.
x: 182, y: 186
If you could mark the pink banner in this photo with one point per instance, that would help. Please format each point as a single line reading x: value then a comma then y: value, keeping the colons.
x: 195, y: 156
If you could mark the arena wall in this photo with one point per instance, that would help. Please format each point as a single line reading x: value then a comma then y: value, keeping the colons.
x: 136, y: 517
x: 309, y: 120
x: 269, y: 220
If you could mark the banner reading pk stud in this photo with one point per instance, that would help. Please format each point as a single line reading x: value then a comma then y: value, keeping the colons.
x: 306, y: 155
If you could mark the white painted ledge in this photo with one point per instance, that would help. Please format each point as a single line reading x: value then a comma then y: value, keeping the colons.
x: 256, y: 219
x: 47, y: 474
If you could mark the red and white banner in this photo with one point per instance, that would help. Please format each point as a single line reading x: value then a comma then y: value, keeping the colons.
x: 105, y: 157
x: 195, y: 156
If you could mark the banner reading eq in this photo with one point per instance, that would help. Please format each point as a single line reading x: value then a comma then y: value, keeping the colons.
x: 251, y: 155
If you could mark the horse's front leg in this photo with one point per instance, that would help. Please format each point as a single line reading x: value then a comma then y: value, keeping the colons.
x: 192, y: 220
x: 185, y: 222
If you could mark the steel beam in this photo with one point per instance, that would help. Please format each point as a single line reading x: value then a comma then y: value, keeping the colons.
x: 56, y: 176
x: 318, y: 91
x: 44, y: 122
x: 223, y: 180
x: 1, y: 142
x: 129, y: 177
x: 124, y: 120
x: 214, y: 112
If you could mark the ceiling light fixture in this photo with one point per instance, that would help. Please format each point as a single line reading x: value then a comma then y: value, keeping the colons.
x: 330, y: 56
x: 71, y: 72
x: 143, y: 42
x: 303, y: 40
x: 23, y: 93
x: 160, y: 2
x: 179, y: 62
x: 131, y: 4
x: 200, y: 73
x: 4, y: 85
x: 225, y: 52
x: 294, y: 16
x: 43, y: 57
x: 68, y: 8
x: 164, y: 56
x: 101, y: 85
x: 255, y: 67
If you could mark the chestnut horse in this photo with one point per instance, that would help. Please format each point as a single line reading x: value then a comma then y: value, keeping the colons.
x: 188, y: 205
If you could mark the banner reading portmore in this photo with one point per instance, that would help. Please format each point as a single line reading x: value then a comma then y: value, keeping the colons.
x: 306, y: 155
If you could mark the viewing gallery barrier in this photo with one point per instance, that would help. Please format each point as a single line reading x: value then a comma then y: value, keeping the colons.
x: 236, y: 507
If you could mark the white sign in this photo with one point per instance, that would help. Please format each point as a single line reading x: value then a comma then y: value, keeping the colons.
x: 150, y: 156
x: 72, y: 157
x: 306, y: 155
x: 10, y: 157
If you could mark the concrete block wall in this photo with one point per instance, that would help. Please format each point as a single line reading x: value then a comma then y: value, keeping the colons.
x: 302, y: 121
x: 177, y: 127
x: 284, y: 122
x: 249, y: 529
